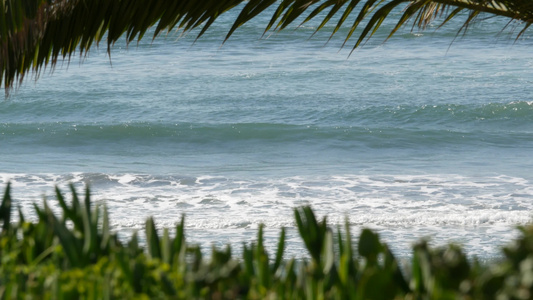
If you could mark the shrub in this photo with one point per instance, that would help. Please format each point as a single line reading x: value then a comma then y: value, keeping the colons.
x: 76, y: 256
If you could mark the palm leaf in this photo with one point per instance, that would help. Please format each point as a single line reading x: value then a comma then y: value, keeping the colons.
x: 35, y: 34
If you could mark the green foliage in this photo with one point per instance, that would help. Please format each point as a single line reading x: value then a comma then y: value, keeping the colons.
x: 75, y: 256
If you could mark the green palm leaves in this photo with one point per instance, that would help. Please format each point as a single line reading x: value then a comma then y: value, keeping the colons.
x: 37, y: 33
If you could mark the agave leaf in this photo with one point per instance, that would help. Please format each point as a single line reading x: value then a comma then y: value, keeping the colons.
x: 196, y: 257
x: 260, y: 248
x: 290, y: 273
x: 22, y: 219
x: 87, y: 201
x: 279, y: 252
x: 328, y: 254
x: 166, y: 247
x: 76, y: 209
x: 420, y: 268
x: 369, y: 245
x: 133, y: 245
x: 152, y: 239
x: 261, y: 261
x: 106, y: 232
x: 89, y: 228
x: 67, y: 214
x: 347, y: 269
x: 43, y: 218
x: 248, y: 257
x: 179, y: 245
x: 391, y: 264
x: 311, y: 231
x: 5, y: 209
x: 69, y: 242
x: 340, y: 242
x: 43, y: 255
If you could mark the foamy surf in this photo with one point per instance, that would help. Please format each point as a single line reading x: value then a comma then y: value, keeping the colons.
x: 474, y: 211
x: 412, y: 137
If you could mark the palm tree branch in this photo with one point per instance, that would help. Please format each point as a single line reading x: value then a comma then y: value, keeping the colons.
x: 35, y: 34
x: 517, y: 10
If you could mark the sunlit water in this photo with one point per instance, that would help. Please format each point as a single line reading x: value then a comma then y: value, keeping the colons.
x: 425, y: 135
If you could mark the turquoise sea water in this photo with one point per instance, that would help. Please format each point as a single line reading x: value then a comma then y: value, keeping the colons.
x: 424, y: 135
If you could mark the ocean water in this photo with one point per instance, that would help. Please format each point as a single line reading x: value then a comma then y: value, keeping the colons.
x: 426, y: 135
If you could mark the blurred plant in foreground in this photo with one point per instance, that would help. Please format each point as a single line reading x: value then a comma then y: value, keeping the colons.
x: 76, y: 256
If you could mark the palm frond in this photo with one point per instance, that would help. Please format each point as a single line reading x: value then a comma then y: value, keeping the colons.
x: 35, y: 34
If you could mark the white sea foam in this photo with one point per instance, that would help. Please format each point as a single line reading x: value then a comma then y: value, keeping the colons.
x: 298, y: 108
x: 470, y: 210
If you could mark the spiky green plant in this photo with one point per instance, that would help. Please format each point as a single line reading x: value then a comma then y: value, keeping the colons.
x: 76, y: 256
